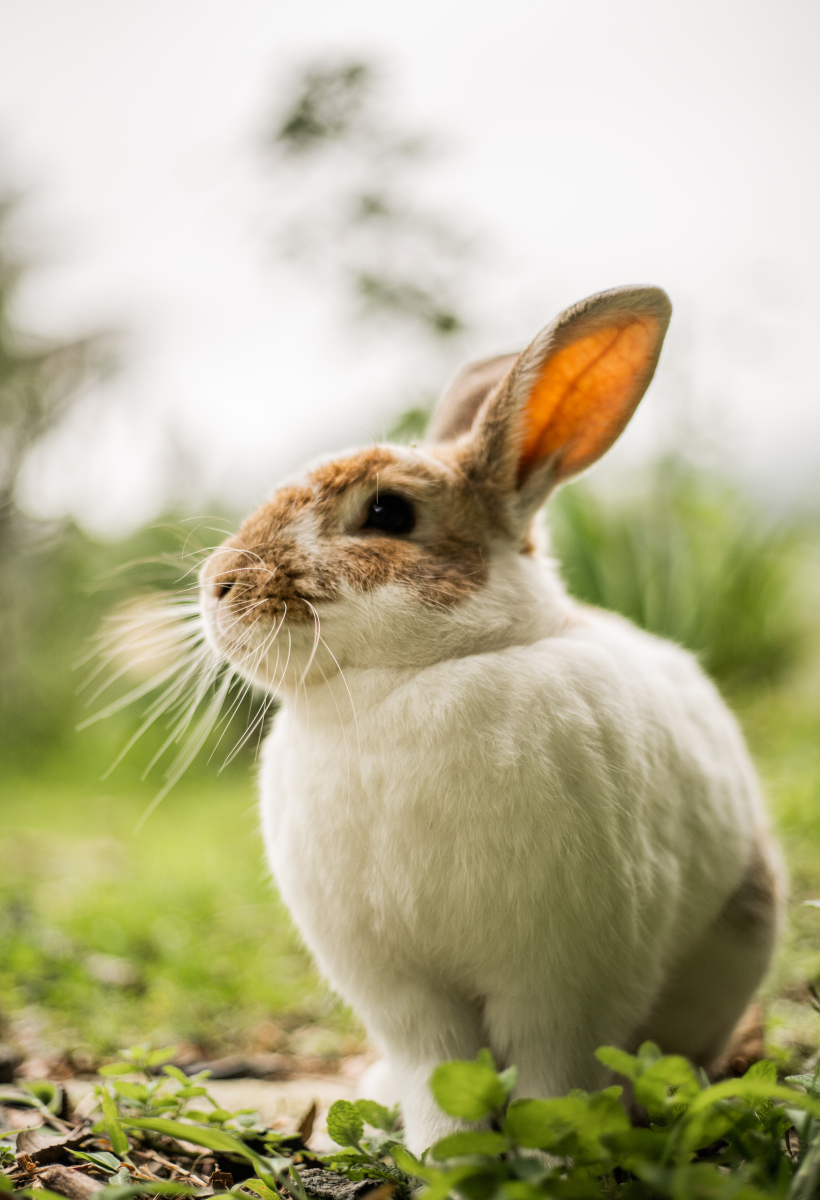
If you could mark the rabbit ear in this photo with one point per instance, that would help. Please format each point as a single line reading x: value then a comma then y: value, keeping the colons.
x: 461, y: 401
x: 569, y: 394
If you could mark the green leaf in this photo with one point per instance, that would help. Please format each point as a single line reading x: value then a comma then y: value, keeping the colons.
x: 469, y: 1142
x: 47, y: 1093
x: 619, y: 1061
x: 752, y: 1089
x: 536, y: 1124
x: 160, y: 1056
x: 804, y: 1080
x: 6, y: 1184
x: 295, y: 1185
x: 39, y: 1194
x: 509, y: 1079
x: 132, y: 1091
x: 376, y: 1115
x: 443, y: 1184
x: 116, y: 1136
x: 440, y: 1184
x: 117, y: 1068
x: 764, y: 1069
x: 104, y: 1160
x: 175, y: 1073
x: 670, y: 1082
x: 345, y: 1123
x: 570, y: 1125
x: 211, y: 1139
x: 154, y: 1188
x: 467, y: 1089
x: 261, y: 1189
x: 407, y: 1162
x: 648, y: 1054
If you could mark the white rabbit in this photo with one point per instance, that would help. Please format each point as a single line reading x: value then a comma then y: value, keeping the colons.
x: 498, y: 817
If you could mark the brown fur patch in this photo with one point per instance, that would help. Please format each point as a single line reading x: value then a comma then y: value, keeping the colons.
x: 308, y: 541
x: 752, y: 909
x: 746, y: 1046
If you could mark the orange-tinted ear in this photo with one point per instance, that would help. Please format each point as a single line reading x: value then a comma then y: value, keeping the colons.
x: 567, y: 397
x: 586, y: 382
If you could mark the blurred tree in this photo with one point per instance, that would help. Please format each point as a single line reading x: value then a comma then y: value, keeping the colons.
x: 40, y: 379
x: 349, y: 194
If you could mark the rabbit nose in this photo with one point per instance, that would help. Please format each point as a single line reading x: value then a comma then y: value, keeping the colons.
x: 221, y: 588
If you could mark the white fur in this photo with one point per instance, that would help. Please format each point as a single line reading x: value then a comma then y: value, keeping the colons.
x: 510, y: 846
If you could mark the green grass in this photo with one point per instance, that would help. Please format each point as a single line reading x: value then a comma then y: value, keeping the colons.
x: 689, y: 557
x: 783, y: 730
x: 187, y: 903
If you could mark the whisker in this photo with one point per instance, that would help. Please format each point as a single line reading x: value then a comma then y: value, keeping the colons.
x: 190, y: 692
x: 184, y: 760
x: 258, y: 720
x: 349, y: 695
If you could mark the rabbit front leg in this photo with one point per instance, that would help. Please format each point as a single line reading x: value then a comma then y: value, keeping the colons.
x: 418, y: 1027
x: 552, y: 1045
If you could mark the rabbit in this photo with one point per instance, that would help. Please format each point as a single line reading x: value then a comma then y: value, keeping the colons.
x: 499, y: 818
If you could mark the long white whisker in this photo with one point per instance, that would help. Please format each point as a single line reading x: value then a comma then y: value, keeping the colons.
x: 154, y: 713
x: 341, y: 726
x: 349, y: 694
x: 258, y: 720
x: 316, y: 639
x: 185, y: 759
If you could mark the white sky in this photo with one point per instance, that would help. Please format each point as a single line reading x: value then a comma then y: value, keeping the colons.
x: 597, y: 143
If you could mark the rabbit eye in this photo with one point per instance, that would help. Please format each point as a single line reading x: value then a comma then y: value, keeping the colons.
x: 391, y: 514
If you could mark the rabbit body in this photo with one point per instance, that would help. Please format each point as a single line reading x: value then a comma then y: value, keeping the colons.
x: 513, y: 848
x: 498, y: 817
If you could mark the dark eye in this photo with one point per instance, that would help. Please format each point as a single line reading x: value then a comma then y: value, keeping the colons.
x: 390, y: 513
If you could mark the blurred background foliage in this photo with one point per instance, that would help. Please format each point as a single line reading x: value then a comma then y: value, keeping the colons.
x: 110, y: 936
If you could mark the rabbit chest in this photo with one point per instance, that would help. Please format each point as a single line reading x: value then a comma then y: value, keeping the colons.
x: 583, y: 803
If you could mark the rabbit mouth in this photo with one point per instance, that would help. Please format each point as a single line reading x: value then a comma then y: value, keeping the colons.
x: 258, y: 634
x: 243, y: 623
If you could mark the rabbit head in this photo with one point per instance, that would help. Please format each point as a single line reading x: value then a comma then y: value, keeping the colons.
x: 393, y: 556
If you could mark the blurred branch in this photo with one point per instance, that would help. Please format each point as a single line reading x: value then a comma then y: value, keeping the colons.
x: 40, y: 378
x: 349, y: 176
x: 328, y: 104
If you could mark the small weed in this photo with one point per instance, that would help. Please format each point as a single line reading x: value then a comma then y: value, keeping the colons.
x: 740, y: 1139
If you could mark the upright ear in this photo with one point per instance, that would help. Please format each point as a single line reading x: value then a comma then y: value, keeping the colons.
x: 569, y: 394
x: 461, y: 401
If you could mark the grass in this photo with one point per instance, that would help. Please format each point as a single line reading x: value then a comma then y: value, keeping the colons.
x: 687, y: 556
x: 174, y: 934
x: 783, y: 730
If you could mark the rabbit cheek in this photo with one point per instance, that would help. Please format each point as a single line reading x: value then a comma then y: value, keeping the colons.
x: 442, y: 575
